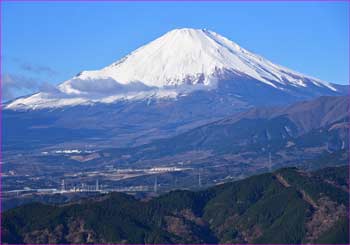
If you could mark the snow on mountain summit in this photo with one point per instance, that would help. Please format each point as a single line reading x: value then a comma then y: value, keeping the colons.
x: 178, y: 56
x: 181, y: 57
x: 187, y: 56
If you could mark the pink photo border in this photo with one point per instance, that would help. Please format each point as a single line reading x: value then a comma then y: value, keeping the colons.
x: 217, y: 1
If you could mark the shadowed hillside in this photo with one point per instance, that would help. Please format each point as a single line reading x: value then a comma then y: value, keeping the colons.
x: 287, y: 206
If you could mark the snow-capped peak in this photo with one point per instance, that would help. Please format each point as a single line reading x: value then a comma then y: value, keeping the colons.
x: 187, y: 56
x: 182, y: 57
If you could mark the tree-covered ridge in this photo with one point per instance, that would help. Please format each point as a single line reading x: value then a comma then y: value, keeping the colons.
x: 287, y: 206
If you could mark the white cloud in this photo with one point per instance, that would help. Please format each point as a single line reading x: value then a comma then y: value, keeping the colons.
x: 106, y: 86
x: 12, y: 85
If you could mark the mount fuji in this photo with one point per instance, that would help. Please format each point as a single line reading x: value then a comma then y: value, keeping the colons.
x: 177, y: 64
x: 182, y: 80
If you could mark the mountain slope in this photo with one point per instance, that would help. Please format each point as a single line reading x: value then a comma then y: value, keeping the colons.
x: 307, y: 115
x: 175, y: 65
x: 182, y: 80
x: 287, y: 206
x: 189, y: 56
x: 303, y: 130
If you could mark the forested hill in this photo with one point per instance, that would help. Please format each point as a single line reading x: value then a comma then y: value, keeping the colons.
x: 287, y: 206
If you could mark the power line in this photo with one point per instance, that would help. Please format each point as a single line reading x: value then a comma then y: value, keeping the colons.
x: 155, y: 184
x: 97, y: 185
x: 199, y: 179
x: 63, y: 186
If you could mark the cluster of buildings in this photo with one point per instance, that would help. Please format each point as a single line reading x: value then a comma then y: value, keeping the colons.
x: 82, y: 188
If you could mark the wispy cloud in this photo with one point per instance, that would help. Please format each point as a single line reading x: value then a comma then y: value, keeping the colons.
x: 38, y: 69
x: 30, y: 67
x: 27, y: 78
x: 13, y: 85
x: 107, y: 86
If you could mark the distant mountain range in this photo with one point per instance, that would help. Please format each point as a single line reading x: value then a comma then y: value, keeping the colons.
x: 253, y: 141
x: 286, y: 134
x: 182, y: 80
x: 175, y: 65
x: 286, y: 206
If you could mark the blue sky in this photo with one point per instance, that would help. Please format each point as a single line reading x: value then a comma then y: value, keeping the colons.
x: 46, y: 43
